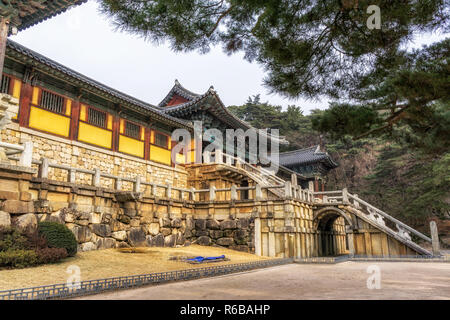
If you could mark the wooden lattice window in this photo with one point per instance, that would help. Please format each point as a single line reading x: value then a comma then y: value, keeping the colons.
x: 5, y: 85
x: 52, y: 102
x: 132, y: 130
x: 161, y: 140
x: 97, y: 117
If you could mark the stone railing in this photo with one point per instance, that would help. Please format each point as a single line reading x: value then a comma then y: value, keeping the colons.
x: 25, y: 152
x: 375, y: 215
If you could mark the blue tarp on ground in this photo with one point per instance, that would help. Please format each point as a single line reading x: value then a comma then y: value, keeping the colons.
x: 201, y: 259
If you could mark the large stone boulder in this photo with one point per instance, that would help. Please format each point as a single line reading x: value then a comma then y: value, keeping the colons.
x: 106, y: 243
x: 176, y: 223
x: 87, y: 246
x: 200, y: 224
x: 228, y: 224
x: 5, y: 219
x: 137, y: 237
x: 119, y: 235
x: 212, y: 224
x: 157, y: 241
x: 170, y: 241
x: 102, y: 230
x: 26, y: 223
x: 82, y: 233
x: 152, y: 228
x: 216, y: 234
x: 225, y: 242
x: 203, y: 241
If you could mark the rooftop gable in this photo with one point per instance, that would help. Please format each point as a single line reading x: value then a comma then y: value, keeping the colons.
x: 306, y: 156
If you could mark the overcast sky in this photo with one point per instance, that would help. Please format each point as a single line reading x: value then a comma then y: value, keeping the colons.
x: 84, y: 40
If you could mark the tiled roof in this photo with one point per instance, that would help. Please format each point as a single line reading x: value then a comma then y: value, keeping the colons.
x: 16, y: 50
x: 178, y: 89
x: 24, y: 14
x: 306, y: 156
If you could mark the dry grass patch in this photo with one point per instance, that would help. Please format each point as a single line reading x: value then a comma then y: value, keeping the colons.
x: 112, y: 263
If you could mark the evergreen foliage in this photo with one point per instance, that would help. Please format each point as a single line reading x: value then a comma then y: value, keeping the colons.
x: 58, y: 236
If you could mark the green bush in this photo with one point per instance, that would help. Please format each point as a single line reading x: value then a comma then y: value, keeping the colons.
x: 18, y: 258
x: 58, y: 236
x: 12, y: 239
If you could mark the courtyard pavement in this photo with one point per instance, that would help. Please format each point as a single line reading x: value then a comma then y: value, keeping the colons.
x: 346, y: 280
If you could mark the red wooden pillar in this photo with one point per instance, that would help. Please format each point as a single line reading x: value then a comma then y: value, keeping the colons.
x: 115, y: 133
x: 316, y: 185
x: 147, y: 136
x: 26, y: 93
x: 74, y: 119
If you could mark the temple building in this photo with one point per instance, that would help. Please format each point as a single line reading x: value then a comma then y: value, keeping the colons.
x: 312, y: 163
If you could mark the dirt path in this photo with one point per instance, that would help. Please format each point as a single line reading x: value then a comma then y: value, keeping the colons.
x: 347, y: 280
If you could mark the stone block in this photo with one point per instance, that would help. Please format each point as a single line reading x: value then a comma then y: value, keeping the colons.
x: 102, y: 230
x: 18, y: 207
x: 165, y: 231
x: 26, y: 223
x: 119, y: 235
x: 87, y: 246
x: 200, y: 224
x: 5, y: 219
x: 169, y: 241
x: 106, y: 243
x: 203, y: 241
x: 176, y: 223
x: 135, y: 222
x: 225, y: 242
x: 212, y: 224
x: 136, y: 237
x: 152, y: 228
x: 216, y: 234
x: 228, y: 224
x: 157, y: 241
x: 9, y: 195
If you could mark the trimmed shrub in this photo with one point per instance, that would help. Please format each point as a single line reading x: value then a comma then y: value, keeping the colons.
x: 18, y: 258
x: 58, y: 236
x: 50, y: 255
x: 12, y: 239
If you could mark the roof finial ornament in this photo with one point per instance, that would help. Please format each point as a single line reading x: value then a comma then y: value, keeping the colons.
x: 211, y: 89
x: 177, y: 82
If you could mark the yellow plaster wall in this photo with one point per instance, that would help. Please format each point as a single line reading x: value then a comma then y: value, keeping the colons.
x: 49, y: 122
x: 94, y: 135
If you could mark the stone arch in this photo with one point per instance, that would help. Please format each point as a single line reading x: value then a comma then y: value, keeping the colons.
x: 330, y: 242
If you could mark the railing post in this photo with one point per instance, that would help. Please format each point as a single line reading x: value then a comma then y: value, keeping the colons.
x: 233, y: 191
x: 212, y: 193
x: 118, y: 184
x: 96, y: 178
x: 181, y: 195
x: 258, y: 192
x: 206, y: 157
x: 355, y: 203
x: 169, y: 191
x: 345, y: 196
x: 294, y: 179
x: 228, y: 159
x: 300, y: 193
x: 137, y: 184
x: 288, y: 189
x: 72, y: 175
x: 218, y: 157
x: 193, y: 194
x: 26, y: 157
x: 434, y: 238
x: 325, y: 199
x: 43, y: 169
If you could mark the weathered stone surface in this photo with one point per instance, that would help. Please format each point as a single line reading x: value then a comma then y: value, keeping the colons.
x: 5, y: 219
x: 212, y: 224
x: 201, y: 233
x: 125, y: 219
x: 228, y: 233
x: 58, y: 217
x: 166, y: 231
x: 190, y: 224
x: 102, y: 230
x: 18, y: 207
x: 88, y: 246
x: 106, y: 243
x: 122, y: 244
x: 26, y: 222
x: 176, y: 223
x: 95, y: 218
x: 164, y: 222
x: 203, y: 241
x: 158, y: 241
x: 180, y: 239
x: 119, y: 235
x: 9, y: 195
x: 242, y: 248
x: 117, y: 226
x: 25, y: 196
x: 170, y: 240
x: 135, y: 222
x: 200, y: 224
x: 152, y: 228
x: 81, y: 233
x: 228, y: 224
x: 136, y: 237
x: 82, y: 222
x: 130, y: 212
x: 216, y: 234
x: 243, y: 223
x: 148, y: 240
x: 225, y: 241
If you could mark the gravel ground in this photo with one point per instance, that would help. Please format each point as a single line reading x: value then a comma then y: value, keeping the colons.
x: 347, y: 280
